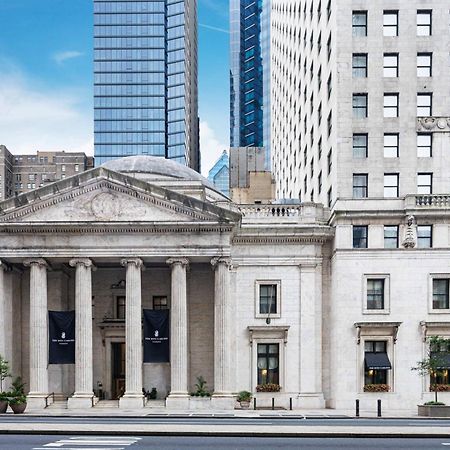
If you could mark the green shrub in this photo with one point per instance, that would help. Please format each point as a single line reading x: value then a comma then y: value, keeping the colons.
x: 244, y: 396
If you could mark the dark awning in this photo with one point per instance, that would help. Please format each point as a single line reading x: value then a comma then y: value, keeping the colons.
x: 442, y: 359
x: 377, y: 361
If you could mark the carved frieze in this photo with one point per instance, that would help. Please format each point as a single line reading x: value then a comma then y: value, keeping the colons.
x: 433, y: 124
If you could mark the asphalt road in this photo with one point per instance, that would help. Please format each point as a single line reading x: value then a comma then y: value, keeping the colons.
x: 218, y: 421
x: 15, y: 442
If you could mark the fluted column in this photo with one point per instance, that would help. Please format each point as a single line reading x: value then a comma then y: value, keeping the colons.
x: 3, y: 325
x: 223, y: 335
x: 311, y: 395
x: 82, y: 398
x: 38, y: 333
x: 133, y: 397
x: 178, y: 398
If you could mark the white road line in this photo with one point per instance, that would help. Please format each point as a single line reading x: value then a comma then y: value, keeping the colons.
x: 85, y: 448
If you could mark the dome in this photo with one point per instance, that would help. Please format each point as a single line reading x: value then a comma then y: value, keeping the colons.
x: 155, y: 166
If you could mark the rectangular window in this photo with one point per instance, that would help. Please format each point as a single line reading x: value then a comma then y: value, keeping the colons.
x: 360, y: 145
x: 360, y: 188
x: 391, y: 146
x: 77, y: 167
x: 390, y: 236
x: 376, y: 362
x: 330, y: 197
x: 375, y: 293
x: 424, y: 183
x: 330, y: 123
x: 390, y: 105
x: 390, y: 23
x: 424, y: 236
x: 330, y: 161
x: 120, y: 307
x: 359, y: 106
x: 391, y: 185
x: 160, y: 302
x: 359, y: 65
x: 424, y: 145
x: 424, y: 104
x: 268, y: 364
x: 63, y: 168
x: 441, y: 293
x: 360, y: 236
x: 424, y: 64
x: 359, y: 23
x: 390, y: 65
x: 424, y: 24
x: 268, y: 299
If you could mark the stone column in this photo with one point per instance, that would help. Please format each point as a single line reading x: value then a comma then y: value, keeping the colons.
x: 179, y: 397
x: 3, y: 350
x: 311, y: 395
x: 133, y: 397
x: 223, y: 336
x: 38, y: 334
x: 82, y: 398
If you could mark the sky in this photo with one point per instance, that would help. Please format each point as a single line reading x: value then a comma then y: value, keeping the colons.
x: 46, y: 91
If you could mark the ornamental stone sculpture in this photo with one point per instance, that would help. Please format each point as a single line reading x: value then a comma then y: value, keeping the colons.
x: 410, y: 240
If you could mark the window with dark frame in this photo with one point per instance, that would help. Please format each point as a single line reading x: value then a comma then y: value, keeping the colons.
x: 424, y: 104
x: 391, y: 185
x: 359, y: 106
x: 268, y: 364
x: 424, y: 64
x: 360, y: 185
x: 390, y: 105
x: 390, y: 65
x: 375, y: 376
x: 160, y: 302
x: 390, y: 23
x: 425, y: 183
x: 120, y: 307
x: 390, y: 236
x: 391, y: 147
x: 359, y: 23
x: 360, y: 145
x: 360, y: 236
x: 424, y: 145
x: 441, y: 293
x: 424, y: 236
x: 424, y: 22
x: 359, y: 65
x: 375, y: 293
x: 268, y: 298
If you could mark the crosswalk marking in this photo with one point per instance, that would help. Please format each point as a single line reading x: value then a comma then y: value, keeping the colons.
x: 91, y: 443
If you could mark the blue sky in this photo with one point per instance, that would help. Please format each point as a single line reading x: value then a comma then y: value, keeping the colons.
x: 46, y: 76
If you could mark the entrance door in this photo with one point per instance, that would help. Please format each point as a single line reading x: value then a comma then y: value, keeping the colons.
x: 118, y: 369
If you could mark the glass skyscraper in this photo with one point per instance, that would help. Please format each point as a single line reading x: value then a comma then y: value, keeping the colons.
x: 250, y: 74
x: 219, y: 174
x: 145, y: 80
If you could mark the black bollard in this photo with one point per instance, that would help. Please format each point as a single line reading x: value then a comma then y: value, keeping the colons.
x: 378, y: 408
x: 273, y: 403
x: 254, y: 403
x: 357, y: 408
x: 290, y: 403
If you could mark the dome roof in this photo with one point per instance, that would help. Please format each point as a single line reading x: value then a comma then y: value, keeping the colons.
x: 155, y: 165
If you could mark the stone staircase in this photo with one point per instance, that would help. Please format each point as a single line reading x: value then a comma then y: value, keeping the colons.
x: 156, y: 404
x: 107, y: 404
x: 60, y: 402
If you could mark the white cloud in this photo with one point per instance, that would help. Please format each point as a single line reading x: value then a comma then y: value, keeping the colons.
x: 61, y: 57
x: 39, y: 118
x: 210, y: 146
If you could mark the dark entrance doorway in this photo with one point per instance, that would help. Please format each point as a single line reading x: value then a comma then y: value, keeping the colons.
x: 118, y: 370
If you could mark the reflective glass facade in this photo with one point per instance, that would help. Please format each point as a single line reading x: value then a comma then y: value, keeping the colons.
x: 145, y: 79
x: 219, y: 175
x: 250, y: 74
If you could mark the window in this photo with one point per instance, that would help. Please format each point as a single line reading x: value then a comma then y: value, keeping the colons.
x: 424, y: 104
x: 391, y: 145
x: 268, y: 299
x: 330, y: 197
x: 63, y: 168
x: 359, y: 65
x: 376, y: 362
x: 330, y: 123
x: 390, y: 236
x: 424, y: 64
x: 330, y: 160
x: 77, y: 167
x: 424, y: 145
x: 360, y: 236
x: 359, y: 106
x: 423, y: 22
x: 359, y: 23
x: 375, y: 293
x: 390, y: 65
x: 268, y: 364
x: 391, y: 184
x: 120, y: 307
x: 360, y: 185
x: 390, y: 23
x: 425, y: 183
x: 424, y: 236
x: 360, y: 145
x: 390, y: 105
x: 160, y: 302
x: 441, y: 293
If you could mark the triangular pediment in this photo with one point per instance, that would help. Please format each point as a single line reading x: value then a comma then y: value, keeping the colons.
x: 102, y: 195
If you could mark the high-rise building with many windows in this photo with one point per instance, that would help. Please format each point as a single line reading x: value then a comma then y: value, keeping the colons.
x: 250, y: 74
x: 145, y: 81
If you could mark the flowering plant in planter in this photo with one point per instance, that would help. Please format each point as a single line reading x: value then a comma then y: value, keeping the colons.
x: 439, y: 387
x: 270, y: 387
x: 377, y: 388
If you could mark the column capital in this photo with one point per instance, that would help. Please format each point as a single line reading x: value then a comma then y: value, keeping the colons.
x: 174, y: 261
x: 4, y: 266
x: 221, y: 260
x: 86, y: 262
x: 136, y: 261
x: 35, y: 262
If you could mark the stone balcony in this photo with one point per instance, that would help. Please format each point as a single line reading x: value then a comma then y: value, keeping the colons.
x: 437, y: 201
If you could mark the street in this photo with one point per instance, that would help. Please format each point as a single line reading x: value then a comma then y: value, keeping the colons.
x: 20, y: 442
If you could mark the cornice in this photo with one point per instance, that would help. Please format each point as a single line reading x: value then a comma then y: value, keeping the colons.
x: 290, y: 240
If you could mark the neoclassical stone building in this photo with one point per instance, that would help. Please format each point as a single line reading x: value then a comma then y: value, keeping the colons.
x: 322, y: 303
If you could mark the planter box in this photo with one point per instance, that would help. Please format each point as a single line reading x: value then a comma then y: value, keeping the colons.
x: 3, y: 406
x: 200, y: 403
x: 434, y: 411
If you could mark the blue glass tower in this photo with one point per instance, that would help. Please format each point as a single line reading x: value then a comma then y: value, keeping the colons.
x: 145, y: 80
x: 219, y: 174
x: 250, y: 74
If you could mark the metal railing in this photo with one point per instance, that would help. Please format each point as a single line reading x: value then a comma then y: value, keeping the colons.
x: 48, y: 396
